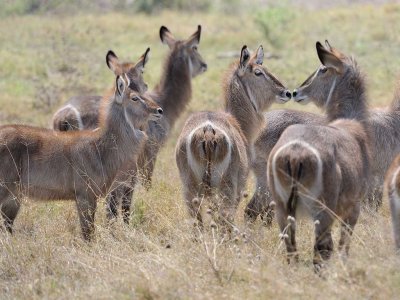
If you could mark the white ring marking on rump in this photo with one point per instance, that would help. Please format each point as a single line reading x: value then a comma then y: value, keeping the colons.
x: 198, y: 168
x: 316, y: 188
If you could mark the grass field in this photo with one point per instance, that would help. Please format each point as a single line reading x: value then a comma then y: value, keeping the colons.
x: 46, y: 59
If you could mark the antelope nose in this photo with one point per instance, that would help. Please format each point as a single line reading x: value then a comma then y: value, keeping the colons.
x: 288, y: 94
x: 160, y: 110
x: 204, y: 66
x: 294, y: 93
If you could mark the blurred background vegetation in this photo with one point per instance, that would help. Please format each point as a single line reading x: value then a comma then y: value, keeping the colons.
x: 53, y: 49
x: 21, y: 7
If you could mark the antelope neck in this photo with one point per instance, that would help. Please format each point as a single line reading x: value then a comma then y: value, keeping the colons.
x: 249, y: 95
x: 174, y: 89
x: 330, y: 92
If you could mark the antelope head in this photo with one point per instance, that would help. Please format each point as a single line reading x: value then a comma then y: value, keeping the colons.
x: 138, y: 109
x: 188, y: 49
x: 134, y: 71
x: 260, y: 85
x: 322, y: 83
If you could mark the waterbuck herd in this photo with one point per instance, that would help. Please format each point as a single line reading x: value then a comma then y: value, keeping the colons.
x: 323, y: 166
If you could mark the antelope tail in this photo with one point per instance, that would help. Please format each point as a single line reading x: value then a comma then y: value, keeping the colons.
x: 209, y: 146
x: 64, y: 126
x: 209, y: 152
x: 296, y: 166
x: 294, y: 170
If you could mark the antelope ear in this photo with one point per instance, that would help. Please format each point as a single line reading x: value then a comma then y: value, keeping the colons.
x: 259, y: 56
x: 328, y: 46
x: 120, y: 89
x: 334, y: 51
x: 112, y: 62
x: 194, y: 39
x: 166, y: 37
x: 143, y: 60
x: 244, y: 58
x: 328, y: 59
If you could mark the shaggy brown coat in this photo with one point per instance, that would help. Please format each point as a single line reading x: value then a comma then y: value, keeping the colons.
x: 383, y: 125
x: 44, y: 164
x: 324, y: 169
x: 214, y: 148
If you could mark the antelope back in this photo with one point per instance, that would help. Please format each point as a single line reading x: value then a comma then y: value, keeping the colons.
x: 187, y: 49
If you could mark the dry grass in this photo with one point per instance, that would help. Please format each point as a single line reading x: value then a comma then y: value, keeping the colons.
x: 156, y: 257
x: 159, y: 259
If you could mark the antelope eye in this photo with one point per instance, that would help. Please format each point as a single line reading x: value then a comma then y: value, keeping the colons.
x: 322, y: 70
x: 257, y: 72
x: 194, y: 48
x: 135, y: 98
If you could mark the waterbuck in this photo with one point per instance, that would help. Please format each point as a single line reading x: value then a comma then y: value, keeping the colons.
x: 276, y: 122
x: 82, y: 112
x: 214, y: 148
x: 324, y: 169
x: 384, y: 124
x: 44, y: 164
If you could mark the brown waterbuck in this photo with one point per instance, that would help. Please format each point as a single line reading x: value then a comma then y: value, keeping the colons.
x: 324, y: 169
x: 214, y: 148
x: 276, y: 122
x: 44, y: 164
x: 383, y: 123
x: 393, y: 190
x: 82, y: 112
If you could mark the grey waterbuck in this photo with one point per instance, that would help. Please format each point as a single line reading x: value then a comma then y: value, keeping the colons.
x: 324, y: 169
x: 383, y: 123
x: 44, y: 164
x: 82, y: 112
x: 214, y: 148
